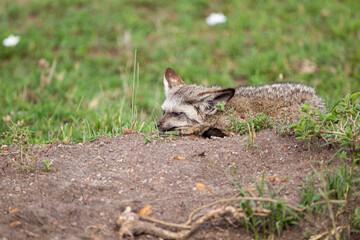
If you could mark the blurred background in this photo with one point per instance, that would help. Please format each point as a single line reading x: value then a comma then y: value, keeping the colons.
x: 71, y: 75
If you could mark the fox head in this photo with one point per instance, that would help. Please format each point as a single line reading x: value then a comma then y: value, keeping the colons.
x: 189, y: 108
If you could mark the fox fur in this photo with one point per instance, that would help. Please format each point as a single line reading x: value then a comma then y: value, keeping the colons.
x: 191, y: 109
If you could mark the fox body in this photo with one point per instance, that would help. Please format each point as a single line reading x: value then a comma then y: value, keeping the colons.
x: 191, y: 109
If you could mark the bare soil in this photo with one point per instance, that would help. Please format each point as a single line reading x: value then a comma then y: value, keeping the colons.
x: 90, y: 184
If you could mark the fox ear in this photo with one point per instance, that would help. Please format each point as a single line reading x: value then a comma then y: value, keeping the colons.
x: 215, y: 96
x: 171, y: 79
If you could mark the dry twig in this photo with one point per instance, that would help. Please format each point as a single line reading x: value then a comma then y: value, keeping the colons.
x: 131, y: 223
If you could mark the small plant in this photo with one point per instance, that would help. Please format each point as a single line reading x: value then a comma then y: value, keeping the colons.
x: 339, y: 183
x: 305, y: 128
x: 356, y: 220
x: 149, y: 138
x: 66, y: 132
x: 341, y: 125
x: 332, y: 193
x: 275, y: 215
x: 282, y: 128
x: 254, y: 124
x: 250, y: 140
x: 47, y: 166
x: 309, y: 194
x: 19, y: 136
x: 258, y: 122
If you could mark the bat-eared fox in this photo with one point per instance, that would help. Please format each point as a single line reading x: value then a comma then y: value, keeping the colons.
x: 192, y: 109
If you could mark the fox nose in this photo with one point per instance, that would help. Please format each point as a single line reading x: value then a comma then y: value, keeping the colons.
x: 157, y: 125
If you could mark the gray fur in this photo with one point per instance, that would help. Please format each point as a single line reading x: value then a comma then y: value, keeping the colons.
x: 191, y: 108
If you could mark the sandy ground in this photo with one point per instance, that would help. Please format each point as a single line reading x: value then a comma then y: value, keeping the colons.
x: 90, y: 184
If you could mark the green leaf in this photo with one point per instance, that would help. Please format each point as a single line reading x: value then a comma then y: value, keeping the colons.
x: 306, y: 107
x: 329, y: 117
x: 354, y: 96
x: 343, y: 155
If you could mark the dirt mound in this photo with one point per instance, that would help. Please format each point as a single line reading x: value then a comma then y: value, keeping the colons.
x: 91, y: 183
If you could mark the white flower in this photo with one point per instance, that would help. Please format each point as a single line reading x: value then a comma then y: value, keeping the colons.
x: 11, y: 41
x: 215, y: 18
x: 281, y: 76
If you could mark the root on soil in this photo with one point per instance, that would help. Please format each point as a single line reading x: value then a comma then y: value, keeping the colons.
x: 134, y: 224
x: 131, y: 224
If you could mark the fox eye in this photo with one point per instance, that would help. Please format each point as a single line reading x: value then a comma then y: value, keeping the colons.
x: 176, y: 114
x: 163, y: 112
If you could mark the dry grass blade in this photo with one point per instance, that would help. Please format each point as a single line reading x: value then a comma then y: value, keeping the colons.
x: 327, y: 234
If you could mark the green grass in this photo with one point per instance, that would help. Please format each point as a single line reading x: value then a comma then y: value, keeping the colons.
x: 93, y: 44
x: 334, y: 196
